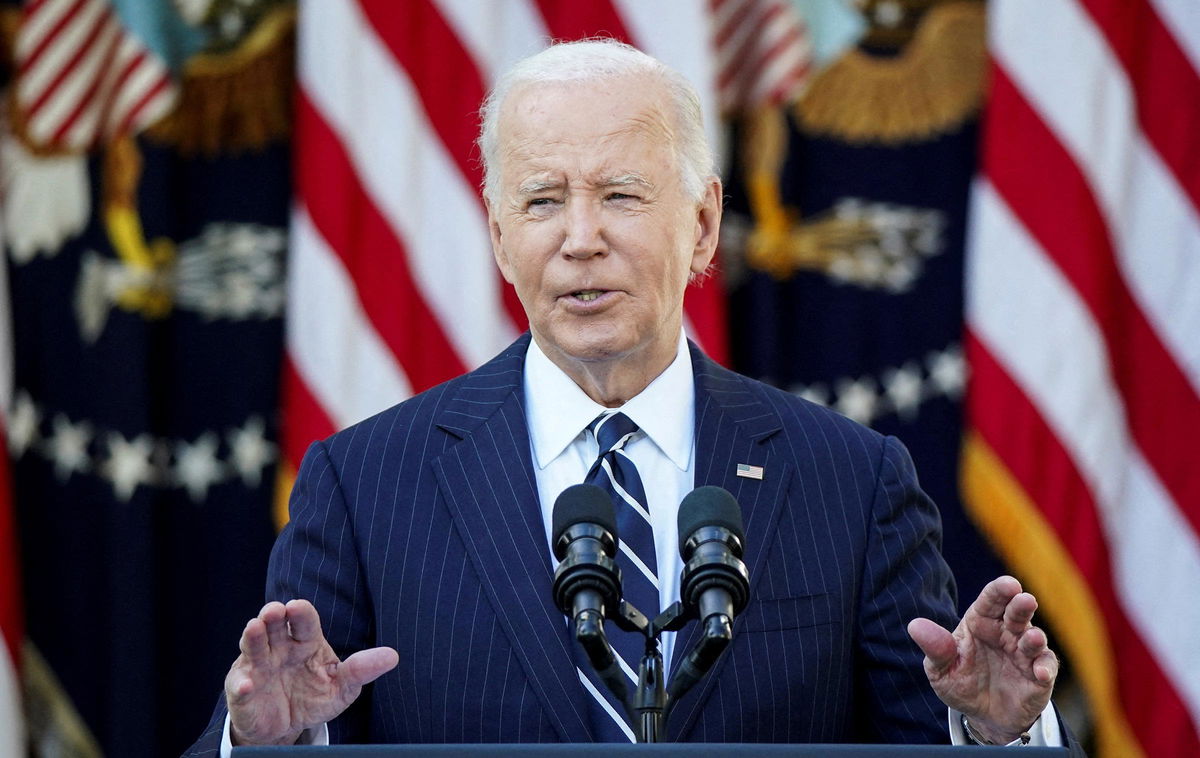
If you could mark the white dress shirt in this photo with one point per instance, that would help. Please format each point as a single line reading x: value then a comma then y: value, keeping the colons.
x: 558, y: 412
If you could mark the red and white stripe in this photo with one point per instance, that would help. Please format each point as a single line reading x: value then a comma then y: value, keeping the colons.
x: 82, y: 77
x: 1083, y: 309
x: 392, y: 283
x: 763, y: 53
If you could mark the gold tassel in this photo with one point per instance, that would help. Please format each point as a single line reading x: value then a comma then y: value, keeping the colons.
x: 781, y: 243
x: 122, y: 168
x: 764, y: 148
x: 55, y: 727
x: 239, y: 100
x: 930, y: 87
x: 152, y: 297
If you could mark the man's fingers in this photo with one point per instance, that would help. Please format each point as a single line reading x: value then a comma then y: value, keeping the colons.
x: 938, y: 644
x: 1032, y: 643
x: 304, y: 621
x: 993, y: 600
x: 274, y: 617
x: 1045, y: 668
x: 253, y: 642
x: 367, y: 665
x: 1019, y: 612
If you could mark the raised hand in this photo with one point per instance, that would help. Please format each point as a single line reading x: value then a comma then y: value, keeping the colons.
x: 288, y: 678
x: 995, y: 667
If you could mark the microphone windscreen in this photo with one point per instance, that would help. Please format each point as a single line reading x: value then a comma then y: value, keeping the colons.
x: 583, y: 503
x: 709, y: 506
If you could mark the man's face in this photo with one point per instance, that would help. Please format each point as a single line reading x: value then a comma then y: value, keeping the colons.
x: 592, y: 225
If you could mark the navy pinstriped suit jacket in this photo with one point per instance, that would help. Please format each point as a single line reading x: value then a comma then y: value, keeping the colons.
x: 420, y: 529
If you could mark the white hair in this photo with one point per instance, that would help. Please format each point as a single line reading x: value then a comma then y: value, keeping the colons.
x: 589, y: 60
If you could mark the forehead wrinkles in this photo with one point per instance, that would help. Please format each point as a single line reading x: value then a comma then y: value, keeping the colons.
x: 536, y: 131
x: 530, y: 142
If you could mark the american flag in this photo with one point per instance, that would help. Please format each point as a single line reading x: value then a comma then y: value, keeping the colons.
x: 82, y: 77
x: 763, y: 53
x: 392, y: 285
x: 1083, y: 314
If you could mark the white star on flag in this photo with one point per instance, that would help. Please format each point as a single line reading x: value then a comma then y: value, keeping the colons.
x: 128, y: 466
x: 67, y: 446
x: 22, y: 424
x: 904, y: 389
x: 250, y: 450
x: 196, y: 465
x: 947, y: 371
x: 857, y: 399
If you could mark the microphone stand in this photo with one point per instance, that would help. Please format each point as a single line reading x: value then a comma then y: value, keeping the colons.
x: 650, y: 698
x: 653, y: 699
x: 715, y: 583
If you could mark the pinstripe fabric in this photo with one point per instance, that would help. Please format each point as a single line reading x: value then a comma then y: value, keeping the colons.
x: 420, y: 529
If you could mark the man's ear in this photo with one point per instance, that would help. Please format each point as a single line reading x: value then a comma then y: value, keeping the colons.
x: 708, y: 227
x: 498, y: 243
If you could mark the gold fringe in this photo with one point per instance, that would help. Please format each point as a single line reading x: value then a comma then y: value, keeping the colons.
x: 239, y: 100
x: 54, y: 726
x: 285, y: 479
x: 929, y: 88
x: 1018, y: 530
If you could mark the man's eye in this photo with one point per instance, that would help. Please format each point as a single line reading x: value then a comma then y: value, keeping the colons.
x: 621, y: 196
x: 539, y: 201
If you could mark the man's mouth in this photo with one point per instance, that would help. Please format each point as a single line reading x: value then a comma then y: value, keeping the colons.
x: 587, y: 295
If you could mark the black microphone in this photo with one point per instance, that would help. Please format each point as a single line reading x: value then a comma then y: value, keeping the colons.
x: 715, y: 579
x: 584, y: 528
x: 587, y: 582
x: 715, y: 582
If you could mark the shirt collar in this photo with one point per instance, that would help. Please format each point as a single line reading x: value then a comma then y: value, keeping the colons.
x: 558, y: 411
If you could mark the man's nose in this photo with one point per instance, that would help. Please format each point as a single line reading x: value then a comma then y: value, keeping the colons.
x: 584, y: 235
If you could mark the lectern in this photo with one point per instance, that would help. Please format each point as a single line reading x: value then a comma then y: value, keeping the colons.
x: 654, y: 750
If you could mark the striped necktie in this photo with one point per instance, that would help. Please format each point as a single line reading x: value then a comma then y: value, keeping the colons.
x: 615, y: 473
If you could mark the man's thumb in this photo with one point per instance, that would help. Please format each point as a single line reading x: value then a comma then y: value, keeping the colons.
x: 938, y: 644
x: 367, y: 665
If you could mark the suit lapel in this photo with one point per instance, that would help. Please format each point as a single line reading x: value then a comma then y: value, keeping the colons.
x: 733, y: 427
x: 488, y: 481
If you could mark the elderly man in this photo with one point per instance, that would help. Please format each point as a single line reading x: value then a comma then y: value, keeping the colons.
x: 418, y: 558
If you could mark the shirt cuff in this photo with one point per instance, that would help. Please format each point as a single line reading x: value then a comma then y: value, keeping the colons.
x: 1043, y: 733
x: 316, y: 736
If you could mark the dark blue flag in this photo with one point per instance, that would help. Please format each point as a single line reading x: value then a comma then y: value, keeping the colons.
x: 146, y: 260
x: 845, y: 247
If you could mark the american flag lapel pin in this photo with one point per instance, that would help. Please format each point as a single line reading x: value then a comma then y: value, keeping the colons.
x: 750, y: 472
